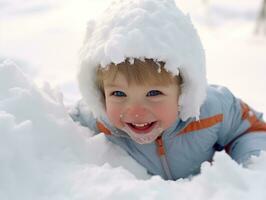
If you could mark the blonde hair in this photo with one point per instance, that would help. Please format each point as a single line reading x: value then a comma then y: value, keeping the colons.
x: 147, y: 72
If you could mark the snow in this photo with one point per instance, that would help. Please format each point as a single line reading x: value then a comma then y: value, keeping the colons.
x: 41, y: 148
x: 44, y: 155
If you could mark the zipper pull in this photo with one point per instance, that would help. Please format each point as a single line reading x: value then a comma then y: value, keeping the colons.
x: 160, y: 147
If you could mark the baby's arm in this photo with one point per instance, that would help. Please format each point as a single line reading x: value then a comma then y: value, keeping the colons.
x: 247, y: 145
x: 243, y: 131
x: 82, y: 114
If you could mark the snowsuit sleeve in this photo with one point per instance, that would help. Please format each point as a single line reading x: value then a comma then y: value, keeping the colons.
x: 82, y: 114
x: 243, y: 131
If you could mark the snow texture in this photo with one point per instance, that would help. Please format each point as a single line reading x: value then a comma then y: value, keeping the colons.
x: 45, y: 155
x: 153, y: 29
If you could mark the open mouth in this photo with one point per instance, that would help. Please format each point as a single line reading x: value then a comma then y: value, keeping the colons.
x: 141, y: 128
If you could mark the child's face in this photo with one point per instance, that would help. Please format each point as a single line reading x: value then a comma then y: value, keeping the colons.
x: 140, y: 108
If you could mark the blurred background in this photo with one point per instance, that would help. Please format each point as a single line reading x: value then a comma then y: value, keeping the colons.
x: 44, y: 38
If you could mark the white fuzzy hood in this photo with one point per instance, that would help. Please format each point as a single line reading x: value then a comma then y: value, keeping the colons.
x: 141, y: 29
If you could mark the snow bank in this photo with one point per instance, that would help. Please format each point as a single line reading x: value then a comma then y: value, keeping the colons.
x: 41, y: 148
x: 45, y: 155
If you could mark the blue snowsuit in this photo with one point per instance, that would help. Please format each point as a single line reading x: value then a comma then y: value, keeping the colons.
x: 225, y: 123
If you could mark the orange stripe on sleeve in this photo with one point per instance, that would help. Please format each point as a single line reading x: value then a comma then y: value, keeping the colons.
x: 255, y: 123
x: 202, y: 124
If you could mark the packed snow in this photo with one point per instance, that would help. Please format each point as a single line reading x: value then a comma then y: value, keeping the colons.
x: 45, y: 155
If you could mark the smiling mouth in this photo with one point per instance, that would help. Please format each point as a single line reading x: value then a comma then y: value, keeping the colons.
x: 141, y: 128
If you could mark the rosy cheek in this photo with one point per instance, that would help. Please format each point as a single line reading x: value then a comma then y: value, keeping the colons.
x: 113, y: 113
x: 166, y: 114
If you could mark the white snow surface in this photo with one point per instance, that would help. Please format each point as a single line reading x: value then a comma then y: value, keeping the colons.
x: 155, y: 29
x: 45, y: 155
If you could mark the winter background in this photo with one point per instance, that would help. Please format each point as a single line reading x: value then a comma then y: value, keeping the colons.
x: 45, y: 155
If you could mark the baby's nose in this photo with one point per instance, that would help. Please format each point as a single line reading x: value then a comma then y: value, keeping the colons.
x: 136, y: 111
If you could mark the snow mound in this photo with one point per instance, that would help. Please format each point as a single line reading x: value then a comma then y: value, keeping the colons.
x: 45, y: 155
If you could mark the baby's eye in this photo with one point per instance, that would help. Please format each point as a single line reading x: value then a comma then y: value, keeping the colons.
x: 118, y: 94
x: 154, y: 93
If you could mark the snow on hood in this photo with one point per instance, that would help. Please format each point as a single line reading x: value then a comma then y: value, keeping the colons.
x: 153, y: 29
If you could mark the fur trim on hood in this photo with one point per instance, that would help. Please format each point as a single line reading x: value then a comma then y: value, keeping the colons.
x: 152, y: 29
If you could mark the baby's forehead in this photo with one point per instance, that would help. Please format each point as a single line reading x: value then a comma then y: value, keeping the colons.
x: 120, y: 80
x: 138, y: 73
x: 115, y: 80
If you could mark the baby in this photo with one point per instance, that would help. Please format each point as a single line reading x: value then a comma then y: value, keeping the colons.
x: 142, y: 73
